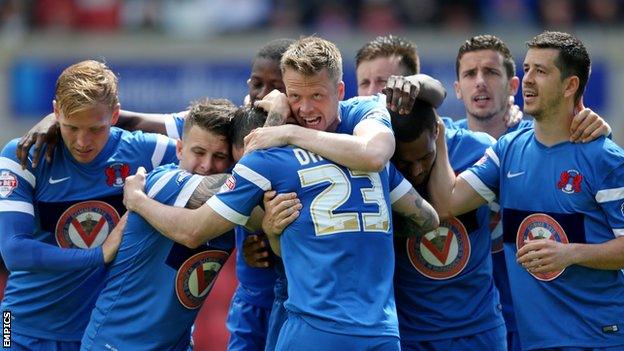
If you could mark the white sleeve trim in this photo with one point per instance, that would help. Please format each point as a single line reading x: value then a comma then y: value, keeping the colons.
x: 490, y: 152
x: 160, y: 183
x: 607, y: 195
x: 226, y: 211
x: 188, y: 190
x: 399, y: 191
x: 618, y: 232
x: 252, y: 176
x: 162, y: 142
x: 17, y: 206
x: 7, y: 163
x: 478, y: 185
x: 171, y: 127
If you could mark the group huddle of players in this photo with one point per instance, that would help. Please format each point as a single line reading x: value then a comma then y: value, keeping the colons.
x: 362, y: 224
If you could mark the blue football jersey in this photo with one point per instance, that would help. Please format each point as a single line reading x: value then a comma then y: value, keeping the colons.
x: 435, y: 272
x: 571, y: 193
x: 525, y: 123
x: 360, y: 108
x: 501, y: 279
x: 174, y: 124
x: 255, y: 284
x: 155, y: 287
x: 338, y: 253
x: 65, y: 210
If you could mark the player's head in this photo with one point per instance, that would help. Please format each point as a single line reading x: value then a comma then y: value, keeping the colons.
x: 556, y: 70
x: 265, y: 69
x: 204, y: 148
x: 486, y: 77
x: 86, y: 104
x: 381, y: 58
x: 415, y: 135
x: 312, y: 73
x: 246, y: 119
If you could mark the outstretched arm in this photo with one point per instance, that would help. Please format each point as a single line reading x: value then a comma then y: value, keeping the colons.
x: 450, y: 195
x: 185, y: 226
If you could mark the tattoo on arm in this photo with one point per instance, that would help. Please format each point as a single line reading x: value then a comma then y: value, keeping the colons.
x: 209, y: 186
x: 419, y: 222
x: 274, y: 119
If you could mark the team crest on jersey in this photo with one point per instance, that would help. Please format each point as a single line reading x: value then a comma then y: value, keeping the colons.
x: 197, y: 275
x: 570, y: 181
x: 86, y: 224
x: 541, y: 226
x: 116, y: 173
x: 441, y: 253
x: 8, y: 183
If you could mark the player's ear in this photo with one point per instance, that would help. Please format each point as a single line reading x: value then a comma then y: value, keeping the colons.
x: 514, y: 84
x: 341, y: 90
x: 57, y: 110
x: 179, y: 144
x: 457, y: 90
x: 115, y: 115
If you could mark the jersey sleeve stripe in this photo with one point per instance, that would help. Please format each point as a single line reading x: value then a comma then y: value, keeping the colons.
x: 7, y: 163
x: 478, y: 185
x: 227, y: 212
x: 618, y: 232
x: 160, y: 183
x: 171, y: 127
x: 400, y: 190
x: 159, y: 152
x: 188, y: 190
x: 252, y: 176
x: 494, y: 206
x: 491, y: 154
x: 17, y: 206
x: 607, y: 195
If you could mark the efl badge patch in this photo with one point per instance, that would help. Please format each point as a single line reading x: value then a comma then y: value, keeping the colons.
x: 570, y: 181
x: 197, y: 275
x: 441, y: 253
x: 230, y: 183
x: 541, y: 226
x: 86, y: 224
x: 116, y: 173
x: 8, y: 183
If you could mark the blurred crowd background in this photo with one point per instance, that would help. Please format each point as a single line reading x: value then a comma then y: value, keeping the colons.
x: 169, y: 52
x: 177, y: 17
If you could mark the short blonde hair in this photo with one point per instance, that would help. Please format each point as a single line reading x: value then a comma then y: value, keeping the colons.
x: 84, y: 84
x: 310, y: 55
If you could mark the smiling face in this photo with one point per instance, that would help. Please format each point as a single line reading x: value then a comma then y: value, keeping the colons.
x: 542, y: 86
x: 314, y: 99
x: 483, y: 84
x: 86, y: 131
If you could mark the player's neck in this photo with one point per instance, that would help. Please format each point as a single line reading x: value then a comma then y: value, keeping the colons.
x: 494, y: 126
x: 554, y: 128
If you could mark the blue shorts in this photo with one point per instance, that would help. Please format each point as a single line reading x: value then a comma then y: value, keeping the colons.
x: 276, y: 320
x: 494, y: 339
x: 297, y: 335
x: 248, y: 325
x: 21, y: 342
